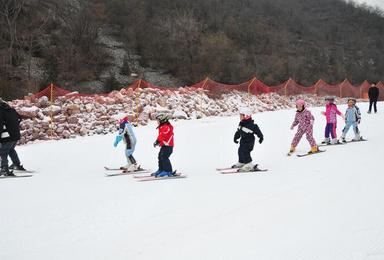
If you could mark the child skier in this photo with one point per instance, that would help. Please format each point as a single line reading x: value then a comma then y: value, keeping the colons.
x: 246, y: 132
x: 331, y: 113
x: 166, y: 143
x: 127, y: 135
x: 304, y: 119
x: 352, y: 118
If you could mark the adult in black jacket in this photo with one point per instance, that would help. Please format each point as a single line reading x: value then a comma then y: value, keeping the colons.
x: 246, y: 133
x: 9, y: 136
x: 373, y: 94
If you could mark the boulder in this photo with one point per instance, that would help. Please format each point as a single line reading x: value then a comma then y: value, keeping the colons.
x: 180, y: 114
x: 73, y: 119
x: 66, y: 134
x: 28, y: 112
x: 43, y: 102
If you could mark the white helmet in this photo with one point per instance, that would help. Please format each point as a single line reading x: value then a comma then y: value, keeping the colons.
x: 162, y: 117
x: 245, y: 111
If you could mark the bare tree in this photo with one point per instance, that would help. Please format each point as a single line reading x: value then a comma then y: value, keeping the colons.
x: 9, y: 14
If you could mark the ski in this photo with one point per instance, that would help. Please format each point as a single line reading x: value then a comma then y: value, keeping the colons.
x: 26, y: 171
x: 356, y: 141
x: 113, y: 169
x: 224, y: 169
x: 309, y: 153
x: 153, y: 178
x: 232, y: 171
x: 16, y: 176
x: 126, y: 173
x: 339, y: 143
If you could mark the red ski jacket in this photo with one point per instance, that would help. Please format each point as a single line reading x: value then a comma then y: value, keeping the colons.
x: 165, y: 137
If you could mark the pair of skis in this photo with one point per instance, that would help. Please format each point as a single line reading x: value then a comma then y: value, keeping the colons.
x: 231, y: 170
x: 340, y: 143
x: 322, y: 145
x: 307, y: 154
x: 121, y: 172
x: 18, y: 174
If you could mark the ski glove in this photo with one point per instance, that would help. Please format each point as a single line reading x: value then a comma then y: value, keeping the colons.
x: 117, y: 140
x: 156, y: 143
x: 236, y: 137
x: 261, y: 140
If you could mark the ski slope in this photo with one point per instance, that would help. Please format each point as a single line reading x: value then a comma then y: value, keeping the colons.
x: 325, y: 206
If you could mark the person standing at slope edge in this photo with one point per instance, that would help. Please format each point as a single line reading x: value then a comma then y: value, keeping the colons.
x: 304, y: 119
x: 165, y: 140
x: 373, y: 94
x: 9, y: 136
x: 246, y: 132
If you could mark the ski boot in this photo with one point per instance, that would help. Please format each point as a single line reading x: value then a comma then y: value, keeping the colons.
x: 164, y: 174
x: 357, y: 138
x: 6, y: 172
x: 256, y: 168
x: 326, y: 141
x: 314, y: 149
x: 291, y: 150
x: 17, y: 167
x: 343, y: 139
x: 237, y: 165
x: 247, y: 167
x: 131, y: 168
x: 335, y: 141
x: 155, y: 173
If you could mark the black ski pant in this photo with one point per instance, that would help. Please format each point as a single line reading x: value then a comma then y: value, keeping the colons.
x: 164, y: 162
x: 245, y: 152
x: 374, y: 103
x: 8, y: 149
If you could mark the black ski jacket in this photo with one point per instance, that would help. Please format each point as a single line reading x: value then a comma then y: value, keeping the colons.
x: 373, y: 93
x: 246, y: 131
x: 9, y: 124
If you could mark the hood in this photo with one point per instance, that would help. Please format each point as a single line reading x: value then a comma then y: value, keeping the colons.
x: 4, y: 105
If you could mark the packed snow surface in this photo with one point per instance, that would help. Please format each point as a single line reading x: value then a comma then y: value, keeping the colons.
x: 325, y: 206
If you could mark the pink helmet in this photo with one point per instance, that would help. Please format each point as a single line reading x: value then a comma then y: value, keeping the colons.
x: 300, y: 102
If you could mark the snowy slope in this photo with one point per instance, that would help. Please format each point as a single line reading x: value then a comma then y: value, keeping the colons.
x: 326, y: 206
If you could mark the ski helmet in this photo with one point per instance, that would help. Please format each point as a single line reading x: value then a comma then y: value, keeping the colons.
x: 162, y: 117
x: 329, y: 98
x: 121, y: 118
x: 300, y: 102
x: 245, y: 111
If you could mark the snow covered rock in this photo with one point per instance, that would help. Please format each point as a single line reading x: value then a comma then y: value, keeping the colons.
x: 52, y: 110
x: 180, y: 114
x: 28, y: 112
x: 43, y: 102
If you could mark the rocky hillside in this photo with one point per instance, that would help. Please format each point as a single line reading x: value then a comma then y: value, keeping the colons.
x: 95, y: 46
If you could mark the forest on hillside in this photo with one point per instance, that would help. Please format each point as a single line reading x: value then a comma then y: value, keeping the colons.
x: 231, y: 41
